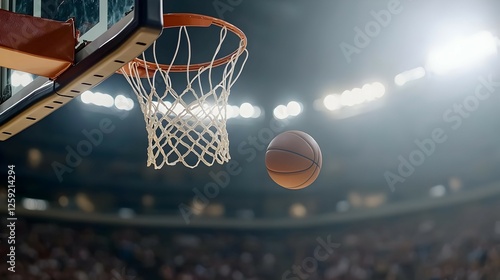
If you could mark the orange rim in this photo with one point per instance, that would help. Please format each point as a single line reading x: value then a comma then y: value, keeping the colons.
x: 190, y: 20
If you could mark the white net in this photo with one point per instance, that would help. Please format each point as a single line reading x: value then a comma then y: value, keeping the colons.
x: 187, y: 126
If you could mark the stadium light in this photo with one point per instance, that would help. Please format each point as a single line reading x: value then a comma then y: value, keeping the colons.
x: 332, y: 102
x: 355, y: 96
x: 103, y: 99
x: 86, y: 97
x: 123, y: 103
x: 280, y: 112
x: 294, y: 108
x: 20, y: 79
x: 463, y: 52
x: 232, y: 111
x: 246, y: 110
x: 35, y: 204
x: 257, y: 112
x: 410, y: 75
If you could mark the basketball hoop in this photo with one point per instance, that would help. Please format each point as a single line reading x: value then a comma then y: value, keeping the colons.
x: 187, y: 126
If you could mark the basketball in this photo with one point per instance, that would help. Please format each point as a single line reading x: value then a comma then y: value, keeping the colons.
x: 293, y: 160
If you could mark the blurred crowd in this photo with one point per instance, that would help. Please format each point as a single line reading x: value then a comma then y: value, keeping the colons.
x: 453, y: 243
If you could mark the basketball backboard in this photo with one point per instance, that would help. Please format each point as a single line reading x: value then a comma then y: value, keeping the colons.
x: 117, y: 32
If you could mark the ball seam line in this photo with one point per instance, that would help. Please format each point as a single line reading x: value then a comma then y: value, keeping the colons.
x: 312, y: 174
x: 291, y: 172
x: 295, y: 153
x: 315, y: 156
x: 310, y: 144
x: 300, y: 186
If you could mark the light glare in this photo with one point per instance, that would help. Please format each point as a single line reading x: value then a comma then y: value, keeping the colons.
x: 410, y: 75
x: 281, y: 112
x: 332, y: 102
x: 15, y: 79
x: 102, y: 99
x: 462, y: 52
x: 20, y: 79
x: 87, y: 97
x: 233, y: 111
x: 247, y: 110
x: 378, y: 89
x: 257, y: 112
x: 294, y: 108
x: 124, y: 103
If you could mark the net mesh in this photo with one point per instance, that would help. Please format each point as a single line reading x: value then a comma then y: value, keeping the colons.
x: 187, y: 126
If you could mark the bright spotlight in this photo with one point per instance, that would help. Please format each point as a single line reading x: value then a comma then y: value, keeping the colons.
x: 108, y: 101
x: 87, y: 97
x: 26, y: 79
x: 462, y: 53
x: 16, y: 78
x: 378, y: 89
x: 130, y: 104
x: 246, y: 110
x: 235, y: 111
x: 367, y: 92
x: 346, y: 98
x: 294, y: 108
x: 102, y: 99
x: 410, y: 75
x: 357, y: 96
x: 281, y: 112
x: 230, y: 112
x: 332, y: 102
x: 124, y: 103
x: 257, y: 112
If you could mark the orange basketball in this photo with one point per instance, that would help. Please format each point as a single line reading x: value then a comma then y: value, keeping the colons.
x: 293, y: 159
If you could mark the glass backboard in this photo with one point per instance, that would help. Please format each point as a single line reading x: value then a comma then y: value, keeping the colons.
x: 92, y: 19
x: 112, y: 32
